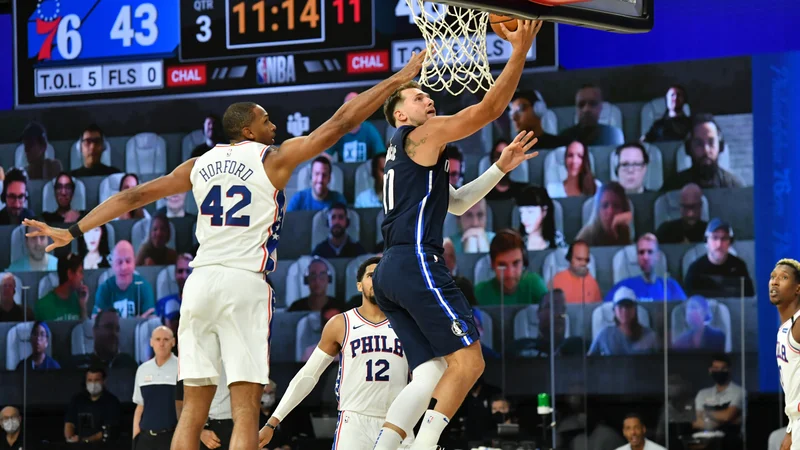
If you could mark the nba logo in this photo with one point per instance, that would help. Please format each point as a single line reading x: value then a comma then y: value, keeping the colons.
x: 262, y: 76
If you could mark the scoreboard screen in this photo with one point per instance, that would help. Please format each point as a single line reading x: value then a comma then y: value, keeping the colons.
x: 78, y: 51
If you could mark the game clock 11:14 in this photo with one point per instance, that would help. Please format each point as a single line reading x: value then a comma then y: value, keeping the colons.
x: 212, y: 29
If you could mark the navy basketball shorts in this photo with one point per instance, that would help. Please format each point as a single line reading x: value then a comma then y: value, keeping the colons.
x: 426, y: 309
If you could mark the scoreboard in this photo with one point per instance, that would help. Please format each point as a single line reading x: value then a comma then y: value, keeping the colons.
x: 70, y: 51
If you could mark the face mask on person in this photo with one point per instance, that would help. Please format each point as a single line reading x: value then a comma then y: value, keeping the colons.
x: 11, y: 425
x: 94, y: 388
x: 720, y: 377
x: 499, y: 417
x: 267, y: 400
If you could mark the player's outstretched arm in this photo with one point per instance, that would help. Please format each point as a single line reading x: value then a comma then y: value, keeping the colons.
x: 303, y: 383
x: 176, y: 182
x: 442, y: 130
x: 513, y: 155
x: 297, y: 150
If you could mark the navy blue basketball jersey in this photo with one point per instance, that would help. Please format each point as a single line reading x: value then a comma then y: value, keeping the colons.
x: 415, y: 198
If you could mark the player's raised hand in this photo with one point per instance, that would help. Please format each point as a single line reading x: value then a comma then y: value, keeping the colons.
x: 264, y: 436
x: 517, y: 152
x: 522, y: 37
x: 60, y: 236
x: 412, y: 68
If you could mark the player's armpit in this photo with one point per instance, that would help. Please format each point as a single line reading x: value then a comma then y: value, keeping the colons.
x: 333, y: 335
x: 441, y: 130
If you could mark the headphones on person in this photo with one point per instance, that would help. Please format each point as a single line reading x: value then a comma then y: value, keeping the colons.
x: 568, y: 256
x: 539, y: 106
x: 328, y: 211
x: 518, y: 236
x: 699, y: 120
x: 308, y: 268
x: 12, y: 176
x: 638, y: 145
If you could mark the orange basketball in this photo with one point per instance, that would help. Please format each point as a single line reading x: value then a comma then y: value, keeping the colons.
x: 496, y: 19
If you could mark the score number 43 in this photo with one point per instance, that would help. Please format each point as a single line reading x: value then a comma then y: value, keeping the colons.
x: 70, y: 43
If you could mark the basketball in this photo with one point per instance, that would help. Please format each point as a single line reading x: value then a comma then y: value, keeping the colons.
x: 496, y: 19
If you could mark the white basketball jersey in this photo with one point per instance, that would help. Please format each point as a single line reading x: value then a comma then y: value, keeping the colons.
x: 240, y: 211
x: 787, y: 352
x: 372, y: 367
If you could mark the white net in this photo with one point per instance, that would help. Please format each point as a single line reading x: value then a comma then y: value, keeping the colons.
x: 456, y: 43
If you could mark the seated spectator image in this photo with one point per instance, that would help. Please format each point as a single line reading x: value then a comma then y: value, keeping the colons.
x: 373, y: 198
x: 449, y: 255
x: 175, y: 206
x: 700, y: 335
x: 704, y: 144
x: 632, y: 161
x: 126, y: 291
x: 64, y: 188
x: 106, y: 352
x: 68, y: 300
x: 9, y: 310
x: 128, y: 181
x: 317, y: 278
x: 553, y: 304
x: 93, y: 411
x: 360, y: 144
x: 468, y: 290
x: 649, y: 286
x: 154, y: 251
x: 168, y: 307
x: 11, y: 421
x: 524, y: 110
x: 338, y: 243
x: 40, y: 340
x: 15, y: 195
x: 627, y: 336
x: 509, y: 261
x: 92, y: 148
x: 690, y: 227
x: 40, y: 167
x: 537, y: 220
x: 212, y: 132
x: 35, y: 259
x: 473, y: 237
x: 318, y: 196
x: 455, y: 159
x: 675, y: 124
x: 634, y: 431
x: 580, y: 179
x: 505, y: 189
x: 718, y: 272
x: 94, y: 249
x: 328, y: 312
x: 720, y: 407
x: 611, y: 218
x: 589, y: 103
x: 578, y: 285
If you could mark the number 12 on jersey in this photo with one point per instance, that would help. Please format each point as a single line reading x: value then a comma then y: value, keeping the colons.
x: 381, y: 366
x: 212, y: 206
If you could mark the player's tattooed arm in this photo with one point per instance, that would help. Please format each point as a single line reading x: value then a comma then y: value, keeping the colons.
x: 412, y: 145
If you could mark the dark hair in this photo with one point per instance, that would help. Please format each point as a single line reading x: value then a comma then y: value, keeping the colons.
x: 637, y: 330
x: 96, y: 368
x: 102, y: 248
x: 702, y: 118
x: 592, y: 86
x: 93, y: 128
x: 40, y: 323
x: 525, y: 94
x: 12, y: 176
x: 337, y: 205
x: 237, y: 117
x: 103, y: 312
x: 374, y: 162
x: 722, y: 357
x: 617, y: 190
x: 504, y: 241
x: 325, y: 161
x: 218, y: 135
x: 633, y: 416
x: 538, y: 196
x: 681, y: 88
x: 362, y: 268
x: 390, y: 105
x: 64, y: 174
x: 451, y: 151
x: 467, y: 289
x: 130, y: 174
x: 585, y: 176
x: 35, y: 131
x: 633, y: 144
x: 71, y: 262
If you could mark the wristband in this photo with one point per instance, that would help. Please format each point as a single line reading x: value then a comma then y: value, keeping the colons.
x: 270, y: 426
x: 75, y: 231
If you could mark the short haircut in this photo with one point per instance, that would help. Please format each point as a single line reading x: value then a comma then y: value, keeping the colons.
x: 504, y: 241
x: 93, y: 128
x: 13, y: 175
x: 390, y: 105
x: 323, y: 160
x: 71, y: 262
x: 237, y: 117
x: 102, y: 313
x: 647, y: 237
x: 96, y: 368
x: 34, y: 130
x: 128, y: 175
x: 337, y: 205
x: 702, y: 118
x: 793, y: 264
x: 633, y: 416
x: 453, y: 152
x: 525, y: 94
x: 185, y: 257
x: 722, y: 357
x: 362, y: 268
x: 638, y: 145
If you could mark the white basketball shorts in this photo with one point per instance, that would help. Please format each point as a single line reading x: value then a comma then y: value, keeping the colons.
x: 356, y: 431
x: 225, y: 318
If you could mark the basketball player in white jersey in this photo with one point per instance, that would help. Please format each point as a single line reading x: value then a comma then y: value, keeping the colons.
x: 784, y: 293
x: 372, y: 370
x: 227, y: 306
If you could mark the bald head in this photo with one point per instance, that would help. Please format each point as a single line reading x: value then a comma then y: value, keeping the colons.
x: 691, y: 192
x: 691, y: 204
x: 162, y: 332
x: 123, y: 248
x: 123, y: 264
x: 8, y: 286
x: 163, y: 341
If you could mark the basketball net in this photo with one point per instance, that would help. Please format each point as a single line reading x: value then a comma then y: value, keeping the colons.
x: 456, y: 41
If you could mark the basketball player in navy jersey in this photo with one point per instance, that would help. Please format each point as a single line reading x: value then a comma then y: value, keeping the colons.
x: 412, y: 285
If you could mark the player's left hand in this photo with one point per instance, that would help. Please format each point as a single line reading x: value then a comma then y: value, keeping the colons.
x: 60, y: 236
x: 264, y: 436
x: 517, y: 152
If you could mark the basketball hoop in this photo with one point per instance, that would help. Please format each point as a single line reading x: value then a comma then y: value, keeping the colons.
x: 456, y: 41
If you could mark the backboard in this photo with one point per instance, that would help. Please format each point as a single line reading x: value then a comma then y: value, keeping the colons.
x: 622, y: 16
